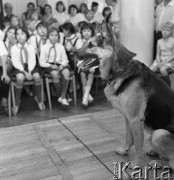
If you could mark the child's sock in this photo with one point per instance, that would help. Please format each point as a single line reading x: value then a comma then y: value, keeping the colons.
x: 58, y: 88
x: 18, y: 92
x: 64, y: 88
x: 38, y: 92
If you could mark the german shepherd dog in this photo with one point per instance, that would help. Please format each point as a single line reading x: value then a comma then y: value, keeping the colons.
x: 143, y: 98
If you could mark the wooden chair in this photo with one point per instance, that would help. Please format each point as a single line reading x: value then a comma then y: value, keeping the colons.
x: 9, y: 104
x: 48, y: 80
x: 26, y: 83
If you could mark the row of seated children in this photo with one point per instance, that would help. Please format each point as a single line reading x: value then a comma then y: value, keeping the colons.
x: 61, y: 15
x: 48, y: 51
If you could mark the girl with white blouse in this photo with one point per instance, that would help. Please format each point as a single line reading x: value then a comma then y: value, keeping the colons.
x: 24, y: 61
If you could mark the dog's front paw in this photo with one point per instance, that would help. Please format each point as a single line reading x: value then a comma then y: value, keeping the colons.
x: 121, y: 151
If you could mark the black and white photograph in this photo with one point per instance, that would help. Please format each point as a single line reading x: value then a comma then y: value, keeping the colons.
x: 86, y: 89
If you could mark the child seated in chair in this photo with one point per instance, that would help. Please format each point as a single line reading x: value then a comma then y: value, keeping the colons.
x: 71, y: 42
x: 165, y: 51
x: 54, y: 61
x: 87, y: 78
x: 24, y: 61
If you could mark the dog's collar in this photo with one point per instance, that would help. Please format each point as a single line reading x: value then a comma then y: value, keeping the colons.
x: 114, y: 76
x: 120, y: 72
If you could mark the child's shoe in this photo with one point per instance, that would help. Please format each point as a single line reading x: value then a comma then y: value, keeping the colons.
x: 41, y: 106
x: 63, y: 101
x: 85, y: 101
x: 15, y: 109
x: 69, y: 99
x: 90, y: 99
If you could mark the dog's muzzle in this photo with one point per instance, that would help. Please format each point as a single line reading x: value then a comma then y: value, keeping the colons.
x: 88, y: 62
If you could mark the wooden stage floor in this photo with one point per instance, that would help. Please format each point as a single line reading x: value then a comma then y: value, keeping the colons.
x: 73, y: 148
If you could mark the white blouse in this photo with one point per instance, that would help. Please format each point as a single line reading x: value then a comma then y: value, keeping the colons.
x: 61, y: 17
x: 77, y: 18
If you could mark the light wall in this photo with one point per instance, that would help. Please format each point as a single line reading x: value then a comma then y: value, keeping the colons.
x: 137, y: 28
x: 76, y: 2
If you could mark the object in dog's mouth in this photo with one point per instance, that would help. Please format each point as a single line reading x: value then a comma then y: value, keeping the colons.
x: 88, y: 62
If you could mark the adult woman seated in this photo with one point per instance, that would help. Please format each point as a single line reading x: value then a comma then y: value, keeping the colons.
x: 61, y: 15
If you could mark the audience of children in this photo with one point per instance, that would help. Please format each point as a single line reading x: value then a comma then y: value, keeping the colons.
x: 47, y: 45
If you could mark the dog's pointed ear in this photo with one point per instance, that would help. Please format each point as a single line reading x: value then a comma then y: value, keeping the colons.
x: 104, y: 29
x: 108, y: 33
x: 97, y: 27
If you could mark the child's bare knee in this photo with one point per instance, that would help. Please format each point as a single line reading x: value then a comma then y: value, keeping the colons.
x: 36, y: 77
x: 20, y: 79
x: 66, y: 73
x: 153, y: 68
x: 55, y: 75
x: 163, y: 70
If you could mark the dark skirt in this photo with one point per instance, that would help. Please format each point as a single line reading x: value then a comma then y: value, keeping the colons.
x: 14, y: 71
x: 49, y: 69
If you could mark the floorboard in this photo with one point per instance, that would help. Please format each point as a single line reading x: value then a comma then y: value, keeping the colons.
x: 80, y: 147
